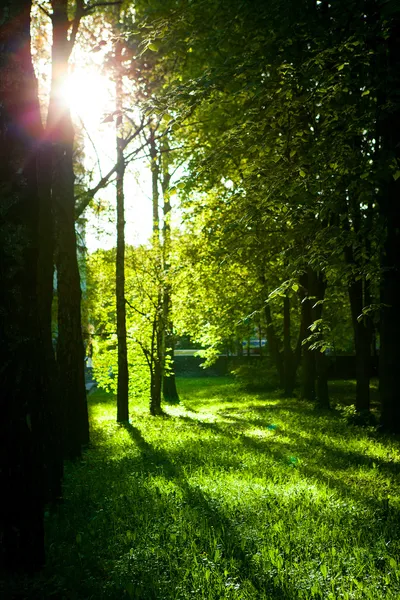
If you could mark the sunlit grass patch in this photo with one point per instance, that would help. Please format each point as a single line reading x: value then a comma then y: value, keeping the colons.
x: 231, y: 495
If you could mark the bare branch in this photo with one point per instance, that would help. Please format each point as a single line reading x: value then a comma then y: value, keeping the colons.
x: 46, y: 12
x: 86, y: 197
x: 79, y: 13
x: 93, y: 145
x: 136, y: 309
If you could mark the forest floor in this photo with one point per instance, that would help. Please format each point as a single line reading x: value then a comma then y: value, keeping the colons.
x: 233, y: 496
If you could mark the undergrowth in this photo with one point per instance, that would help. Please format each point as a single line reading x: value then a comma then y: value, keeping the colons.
x: 232, y: 496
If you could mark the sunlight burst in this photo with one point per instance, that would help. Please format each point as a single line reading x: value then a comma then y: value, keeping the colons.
x: 89, y: 96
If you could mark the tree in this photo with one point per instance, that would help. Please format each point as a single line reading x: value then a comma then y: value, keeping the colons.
x: 24, y: 378
x: 123, y: 375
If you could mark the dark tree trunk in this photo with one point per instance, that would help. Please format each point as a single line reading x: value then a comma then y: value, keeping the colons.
x: 389, y: 208
x: 317, y: 288
x: 155, y: 389
x: 54, y: 455
x: 70, y: 349
x: 273, y: 346
x: 123, y: 373
x: 170, y: 392
x: 288, y: 354
x: 308, y: 371
x: 155, y: 174
x: 22, y: 370
x: 362, y: 343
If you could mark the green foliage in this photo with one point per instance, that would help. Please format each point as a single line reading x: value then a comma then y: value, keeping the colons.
x: 256, y: 374
x: 143, y: 277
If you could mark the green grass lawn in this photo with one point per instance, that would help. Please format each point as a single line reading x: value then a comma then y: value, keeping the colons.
x: 232, y: 495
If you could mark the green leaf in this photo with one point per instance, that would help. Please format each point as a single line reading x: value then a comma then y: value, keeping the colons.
x: 153, y: 47
x: 302, y: 173
x: 396, y: 175
x: 324, y: 570
x: 365, y: 93
x: 295, y: 287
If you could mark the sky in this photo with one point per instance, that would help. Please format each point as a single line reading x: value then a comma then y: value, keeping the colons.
x: 91, y: 98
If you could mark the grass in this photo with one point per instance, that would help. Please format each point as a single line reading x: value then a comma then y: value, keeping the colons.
x: 233, y: 496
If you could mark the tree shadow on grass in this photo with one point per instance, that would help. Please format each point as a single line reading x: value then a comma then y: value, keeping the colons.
x: 204, y: 507
x: 332, y: 459
x: 111, y: 497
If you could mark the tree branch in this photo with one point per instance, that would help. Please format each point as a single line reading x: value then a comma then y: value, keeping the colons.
x: 86, y: 197
x: 79, y: 13
x: 91, y: 7
x: 46, y: 12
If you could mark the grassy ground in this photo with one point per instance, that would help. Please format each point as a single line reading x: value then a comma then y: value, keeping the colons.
x: 232, y: 496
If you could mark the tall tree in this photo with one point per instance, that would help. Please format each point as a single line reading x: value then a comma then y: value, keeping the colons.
x: 22, y: 373
x: 123, y: 375
x: 388, y: 131
x: 60, y: 131
x: 170, y: 391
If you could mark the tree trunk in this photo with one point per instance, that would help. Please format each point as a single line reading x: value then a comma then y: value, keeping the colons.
x: 317, y: 288
x: 273, y: 345
x: 288, y: 355
x: 308, y: 371
x: 155, y: 174
x: 155, y: 389
x: 70, y: 349
x: 362, y: 343
x: 389, y: 208
x: 170, y: 392
x: 123, y: 373
x: 22, y: 371
x: 54, y: 455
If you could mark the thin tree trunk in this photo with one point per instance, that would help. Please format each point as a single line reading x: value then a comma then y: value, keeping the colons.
x: 273, y: 345
x: 288, y: 357
x: 155, y: 391
x: 308, y: 371
x: 155, y: 174
x: 123, y: 373
x: 156, y: 365
x: 362, y: 343
x: 170, y: 392
x: 317, y: 287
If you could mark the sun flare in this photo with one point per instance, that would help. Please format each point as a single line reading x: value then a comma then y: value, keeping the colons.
x: 89, y: 96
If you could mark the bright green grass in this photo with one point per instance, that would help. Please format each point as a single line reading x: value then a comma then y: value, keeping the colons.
x: 234, y: 496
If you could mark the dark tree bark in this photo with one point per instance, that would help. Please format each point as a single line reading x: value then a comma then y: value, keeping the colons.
x: 308, y: 372
x: 317, y: 288
x: 22, y: 373
x: 273, y: 345
x: 289, y: 365
x: 389, y: 208
x: 70, y: 349
x: 54, y: 454
x: 170, y: 392
x: 156, y: 362
x: 362, y: 331
x: 362, y: 343
x: 123, y: 373
x: 155, y: 389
